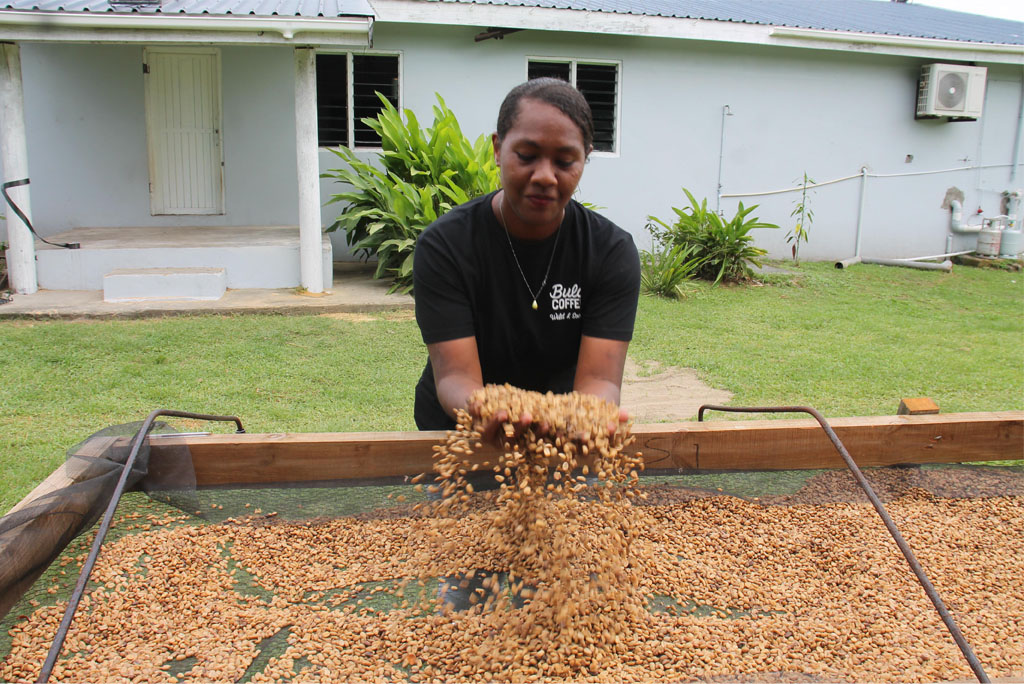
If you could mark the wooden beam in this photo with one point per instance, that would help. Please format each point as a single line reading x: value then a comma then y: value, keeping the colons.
x: 28, y: 548
x: 713, y: 445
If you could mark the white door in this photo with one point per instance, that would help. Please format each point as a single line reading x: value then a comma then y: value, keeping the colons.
x: 183, y: 126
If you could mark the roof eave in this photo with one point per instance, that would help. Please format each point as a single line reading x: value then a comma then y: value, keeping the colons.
x: 910, y: 45
x: 35, y: 26
x: 609, y: 23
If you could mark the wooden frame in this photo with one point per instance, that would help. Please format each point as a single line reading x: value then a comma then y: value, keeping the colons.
x: 262, y: 459
x: 714, y: 445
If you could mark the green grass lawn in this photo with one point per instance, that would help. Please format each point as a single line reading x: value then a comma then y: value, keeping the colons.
x: 847, y: 342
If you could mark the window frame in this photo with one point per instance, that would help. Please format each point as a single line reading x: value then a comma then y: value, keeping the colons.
x: 350, y: 90
x: 572, y: 62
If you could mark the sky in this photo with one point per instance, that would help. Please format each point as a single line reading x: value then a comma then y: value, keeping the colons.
x: 1004, y: 9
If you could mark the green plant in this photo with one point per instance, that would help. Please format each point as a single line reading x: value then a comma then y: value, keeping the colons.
x: 802, y: 210
x: 422, y: 174
x: 725, y: 248
x: 666, y: 267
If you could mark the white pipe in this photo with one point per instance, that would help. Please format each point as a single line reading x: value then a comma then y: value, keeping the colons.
x: 311, y: 270
x: 21, y: 253
x: 721, y: 153
x: 938, y: 256
x: 870, y: 175
x: 1020, y: 134
x: 956, y: 223
x: 860, y: 207
x: 946, y: 265
x: 911, y: 262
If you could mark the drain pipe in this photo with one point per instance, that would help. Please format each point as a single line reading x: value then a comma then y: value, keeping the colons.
x: 726, y: 111
x: 946, y: 265
x: 956, y: 224
x: 855, y: 259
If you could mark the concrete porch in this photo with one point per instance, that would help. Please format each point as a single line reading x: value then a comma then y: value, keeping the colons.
x: 253, y: 257
x: 354, y: 292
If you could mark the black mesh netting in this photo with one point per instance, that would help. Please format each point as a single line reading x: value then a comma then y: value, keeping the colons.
x: 752, y: 576
x: 75, y: 496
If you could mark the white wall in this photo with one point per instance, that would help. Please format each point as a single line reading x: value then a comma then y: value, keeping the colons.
x: 824, y: 112
x: 86, y: 128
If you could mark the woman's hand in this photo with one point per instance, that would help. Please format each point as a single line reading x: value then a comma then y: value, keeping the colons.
x: 498, y: 428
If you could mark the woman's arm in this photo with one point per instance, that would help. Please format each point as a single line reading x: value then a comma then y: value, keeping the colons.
x: 599, y: 369
x: 457, y: 375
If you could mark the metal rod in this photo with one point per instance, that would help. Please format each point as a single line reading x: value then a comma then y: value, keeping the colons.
x: 929, y: 588
x: 108, y: 516
x: 726, y: 111
x: 860, y: 208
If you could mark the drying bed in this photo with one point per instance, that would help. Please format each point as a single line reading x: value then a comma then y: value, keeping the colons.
x: 775, y: 576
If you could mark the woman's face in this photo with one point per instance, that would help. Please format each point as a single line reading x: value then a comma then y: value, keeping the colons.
x: 541, y: 159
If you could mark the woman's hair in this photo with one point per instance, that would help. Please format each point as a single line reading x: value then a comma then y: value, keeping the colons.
x: 554, y: 92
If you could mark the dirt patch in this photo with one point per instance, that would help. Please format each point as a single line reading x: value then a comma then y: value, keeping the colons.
x: 656, y: 394
x: 399, y: 315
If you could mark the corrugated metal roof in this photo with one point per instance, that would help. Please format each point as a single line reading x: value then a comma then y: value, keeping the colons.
x: 260, y: 8
x: 865, y: 16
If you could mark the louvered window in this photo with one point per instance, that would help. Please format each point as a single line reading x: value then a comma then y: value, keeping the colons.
x: 340, y: 109
x: 599, y: 84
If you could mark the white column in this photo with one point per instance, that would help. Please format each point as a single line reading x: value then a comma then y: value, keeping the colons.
x: 21, y: 252
x: 311, y: 267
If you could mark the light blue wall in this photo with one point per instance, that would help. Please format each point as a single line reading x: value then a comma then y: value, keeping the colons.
x: 824, y: 112
x: 86, y: 129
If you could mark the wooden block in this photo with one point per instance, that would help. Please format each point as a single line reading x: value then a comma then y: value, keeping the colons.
x: 916, y: 406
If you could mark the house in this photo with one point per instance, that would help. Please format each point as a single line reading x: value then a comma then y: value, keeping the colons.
x: 191, y: 134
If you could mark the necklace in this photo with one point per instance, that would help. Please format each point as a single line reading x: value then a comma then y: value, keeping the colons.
x: 501, y: 212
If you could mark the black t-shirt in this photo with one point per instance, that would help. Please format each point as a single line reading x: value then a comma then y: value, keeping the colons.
x: 467, y: 284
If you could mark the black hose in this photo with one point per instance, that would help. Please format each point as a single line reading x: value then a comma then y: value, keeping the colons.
x: 28, y: 224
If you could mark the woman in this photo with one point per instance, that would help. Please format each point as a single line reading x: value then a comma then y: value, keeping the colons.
x: 524, y: 285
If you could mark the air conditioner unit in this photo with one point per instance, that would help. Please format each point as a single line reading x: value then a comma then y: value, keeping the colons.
x: 951, y: 90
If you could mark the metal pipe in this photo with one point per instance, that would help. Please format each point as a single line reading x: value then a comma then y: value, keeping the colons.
x: 938, y: 256
x: 922, y: 577
x: 860, y: 207
x: 721, y: 154
x: 101, y: 533
x: 1019, y: 135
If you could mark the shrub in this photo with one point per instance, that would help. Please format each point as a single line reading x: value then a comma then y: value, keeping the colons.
x: 664, y: 269
x: 423, y: 173
x: 725, y: 248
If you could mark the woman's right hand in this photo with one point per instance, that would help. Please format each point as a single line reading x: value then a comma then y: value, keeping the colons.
x: 496, y: 429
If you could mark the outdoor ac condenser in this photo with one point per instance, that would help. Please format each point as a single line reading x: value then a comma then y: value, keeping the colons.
x: 951, y: 90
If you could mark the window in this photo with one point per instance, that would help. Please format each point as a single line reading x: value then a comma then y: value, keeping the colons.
x: 599, y: 85
x: 341, y: 108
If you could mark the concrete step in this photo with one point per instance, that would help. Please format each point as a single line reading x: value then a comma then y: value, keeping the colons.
x: 136, y: 284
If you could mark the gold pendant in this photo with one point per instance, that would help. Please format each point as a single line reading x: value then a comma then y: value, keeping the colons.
x: 534, y: 304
